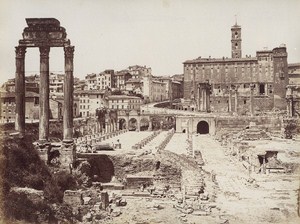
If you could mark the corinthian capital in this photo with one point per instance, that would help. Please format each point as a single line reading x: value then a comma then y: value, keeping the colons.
x: 69, y: 51
x: 44, y: 52
x: 20, y: 52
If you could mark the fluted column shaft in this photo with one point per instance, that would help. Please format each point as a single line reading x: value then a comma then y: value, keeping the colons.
x: 20, y: 90
x: 68, y: 94
x: 44, y: 94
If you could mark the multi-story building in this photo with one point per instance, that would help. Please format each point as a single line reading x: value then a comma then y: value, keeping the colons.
x: 103, y: 80
x: 56, y: 84
x: 120, y: 79
x: 31, y: 84
x: 90, y: 101
x: 91, y: 81
x: 293, y: 90
x: 134, y: 85
x: 8, y: 107
x: 138, y: 71
x: 124, y: 102
x: 153, y: 89
x: 265, y: 76
x: 294, y: 73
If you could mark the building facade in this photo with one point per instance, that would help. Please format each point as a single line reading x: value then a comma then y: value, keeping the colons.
x: 124, y: 102
x: 237, y: 82
x: 56, y: 84
x: 90, y: 101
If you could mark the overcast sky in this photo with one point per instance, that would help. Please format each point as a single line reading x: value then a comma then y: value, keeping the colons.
x: 161, y: 34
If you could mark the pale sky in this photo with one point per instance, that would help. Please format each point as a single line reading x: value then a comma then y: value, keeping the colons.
x: 113, y: 34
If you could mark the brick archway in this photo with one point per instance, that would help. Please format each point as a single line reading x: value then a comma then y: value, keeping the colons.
x: 203, y: 127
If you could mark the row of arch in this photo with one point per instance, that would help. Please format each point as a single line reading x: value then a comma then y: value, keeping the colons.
x: 151, y: 123
x: 145, y: 124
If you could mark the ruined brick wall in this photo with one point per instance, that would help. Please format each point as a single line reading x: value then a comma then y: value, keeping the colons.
x: 280, y: 77
x: 269, y: 123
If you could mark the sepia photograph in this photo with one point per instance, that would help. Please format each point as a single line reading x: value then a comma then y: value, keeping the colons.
x: 149, y: 112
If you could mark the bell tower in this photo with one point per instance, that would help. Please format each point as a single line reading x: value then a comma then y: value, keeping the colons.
x: 236, y: 41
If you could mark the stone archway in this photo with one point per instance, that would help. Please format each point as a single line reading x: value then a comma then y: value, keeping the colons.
x: 44, y: 33
x: 144, y: 124
x: 122, y: 124
x: 132, y: 124
x: 102, y: 168
x: 203, y: 127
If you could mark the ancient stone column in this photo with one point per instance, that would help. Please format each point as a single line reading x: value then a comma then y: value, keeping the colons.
x: 44, y: 94
x: 68, y: 94
x: 289, y: 105
x: 236, y: 99
x: 198, y: 98
x: 251, y: 99
x: 20, y: 90
x: 208, y: 98
x: 230, y: 100
x: 202, y: 99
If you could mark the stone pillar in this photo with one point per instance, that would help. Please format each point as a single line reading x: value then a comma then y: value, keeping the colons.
x: 68, y: 94
x: 251, y: 99
x: 44, y: 94
x: 236, y: 99
x: 289, y: 105
x: 106, y: 128
x: 199, y: 99
x: 230, y: 100
x: 150, y: 126
x: 20, y: 90
x: 208, y: 98
x: 116, y: 125
x: 202, y: 100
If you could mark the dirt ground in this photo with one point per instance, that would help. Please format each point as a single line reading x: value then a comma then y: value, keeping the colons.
x: 240, y: 197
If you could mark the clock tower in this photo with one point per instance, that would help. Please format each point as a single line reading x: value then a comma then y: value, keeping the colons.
x: 236, y: 41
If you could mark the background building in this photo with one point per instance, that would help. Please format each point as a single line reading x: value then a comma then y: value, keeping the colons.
x: 124, y: 102
x: 231, y: 79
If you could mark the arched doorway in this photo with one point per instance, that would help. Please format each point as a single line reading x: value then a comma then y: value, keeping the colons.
x: 101, y: 168
x: 144, y: 124
x: 202, y: 127
x: 132, y: 124
x: 170, y: 122
x: 122, y: 124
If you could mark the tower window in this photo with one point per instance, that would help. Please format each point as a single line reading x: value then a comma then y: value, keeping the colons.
x: 245, y: 101
x: 236, y: 45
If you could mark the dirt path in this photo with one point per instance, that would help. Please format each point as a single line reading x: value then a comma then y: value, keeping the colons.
x: 271, y: 199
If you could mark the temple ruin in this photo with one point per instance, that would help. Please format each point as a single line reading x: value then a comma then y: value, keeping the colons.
x: 44, y: 33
